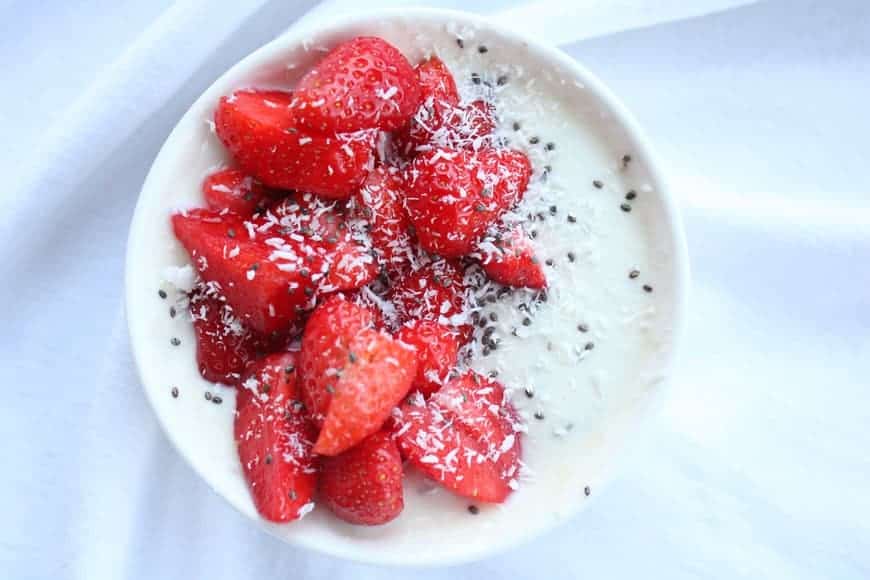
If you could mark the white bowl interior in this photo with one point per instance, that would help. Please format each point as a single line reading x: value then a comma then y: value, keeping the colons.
x: 203, y: 432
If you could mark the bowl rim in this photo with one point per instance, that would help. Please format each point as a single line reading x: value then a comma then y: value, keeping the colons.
x: 641, y: 146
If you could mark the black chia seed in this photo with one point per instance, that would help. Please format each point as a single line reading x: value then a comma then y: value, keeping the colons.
x: 309, y: 291
x: 534, y: 234
x: 486, y: 351
x: 589, y: 345
x: 172, y: 312
x: 529, y: 393
x: 554, y: 210
x: 598, y: 184
x: 473, y: 510
x: 626, y: 159
x: 647, y: 288
x: 572, y: 219
x: 482, y: 49
x: 539, y: 415
x: 516, y: 126
x: 174, y: 392
x: 571, y: 256
x: 208, y: 396
x: 268, y: 459
x: 162, y: 294
x: 175, y: 341
x: 634, y: 274
x: 582, y: 327
x: 534, y: 140
x: 217, y: 400
x: 475, y: 78
x: 625, y: 207
x: 550, y: 146
x: 493, y: 316
x: 231, y: 232
x: 461, y: 44
x: 527, y: 321
x: 549, y: 261
x: 501, y: 80
x: 631, y: 195
x: 491, y: 298
x: 482, y: 323
x: 587, y: 491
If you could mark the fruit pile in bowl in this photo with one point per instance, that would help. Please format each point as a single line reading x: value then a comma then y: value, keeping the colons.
x: 336, y: 262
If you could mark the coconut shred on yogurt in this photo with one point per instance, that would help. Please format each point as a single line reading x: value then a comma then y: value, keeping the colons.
x: 396, y: 269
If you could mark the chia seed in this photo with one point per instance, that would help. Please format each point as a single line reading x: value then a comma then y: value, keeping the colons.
x: 460, y: 44
x: 217, y: 400
x: 647, y: 288
x: 174, y: 392
x: 582, y: 327
x: 527, y: 321
x: 231, y: 232
x: 475, y: 78
x: 516, y: 126
x: 572, y: 219
x: 172, y: 312
x: 598, y: 184
x: 626, y: 159
x: 493, y: 316
x: 534, y: 234
x: 554, y: 210
x: 501, y: 80
x: 482, y: 49
x: 634, y: 274
x: 571, y: 256
x: 175, y: 341
x: 534, y: 140
x: 208, y: 396
x: 549, y: 261
x: 625, y: 207
x: 550, y: 146
x: 268, y: 459
x: 631, y: 195
x: 529, y: 393
x: 539, y: 415
x: 473, y: 510
x: 482, y: 323
x: 587, y: 491
x: 162, y: 294
x: 589, y: 345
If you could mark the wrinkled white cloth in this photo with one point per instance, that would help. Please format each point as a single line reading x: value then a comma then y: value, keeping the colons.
x: 757, y: 466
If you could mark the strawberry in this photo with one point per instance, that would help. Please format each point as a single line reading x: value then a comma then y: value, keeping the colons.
x: 436, y: 83
x: 346, y: 260
x: 224, y: 346
x: 363, y: 83
x: 275, y: 439
x: 454, y: 196
x: 268, y: 296
x: 363, y: 485
x: 352, y: 375
x: 231, y: 189
x: 437, y: 350
x: 510, y: 260
x: 435, y: 292
x: 467, y: 438
x: 325, y: 350
x: 261, y: 132
x: 380, y: 202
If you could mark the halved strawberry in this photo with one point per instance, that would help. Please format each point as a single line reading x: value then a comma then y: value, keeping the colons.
x: 510, y: 260
x: 435, y: 292
x: 363, y: 485
x: 380, y: 202
x: 275, y: 440
x: 326, y: 342
x: 437, y: 349
x: 363, y: 83
x: 454, y: 196
x: 237, y: 192
x: 264, y: 137
x: 347, y: 262
x: 224, y: 346
x: 465, y: 437
x: 352, y: 375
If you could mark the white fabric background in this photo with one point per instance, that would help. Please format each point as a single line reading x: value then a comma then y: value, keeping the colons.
x: 758, y: 466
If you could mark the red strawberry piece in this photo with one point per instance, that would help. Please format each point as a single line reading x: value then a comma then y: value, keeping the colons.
x: 262, y: 133
x: 510, y: 260
x: 275, y: 440
x: 436, y: 82
x: 352, y: 375
x: 268, y: 292
x: 351, y: 266
x: 224, y: 346
x: 437, y: 350
x: 326, y: 343
x: 454, y: 196
x: 468, y: 124
x: 363, y: 485
x: 363, y: 83
x: 435, y: 292
x: 466, y: 437
x: 231, y: 189
x: 380, y: 202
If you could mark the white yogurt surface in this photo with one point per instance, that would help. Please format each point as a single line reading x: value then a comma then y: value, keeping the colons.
x: 586, y: 387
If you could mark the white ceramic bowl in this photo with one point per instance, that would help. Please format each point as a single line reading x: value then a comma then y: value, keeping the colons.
x: 202, y: 432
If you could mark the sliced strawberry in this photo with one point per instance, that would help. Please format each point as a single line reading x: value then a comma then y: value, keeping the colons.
x: 363, y: 83
x: 262, y: 133
x: 268, y: 296
x: 454, y: 196
x: 232, y: 190
x: 435, y: 292
x: 437, y: 348
x: 380, y: 202
x: 275, y: 440
x: 466, y: 437
x: 467, y: 124
x: 436, y: 82
x: 510, y: 260
x: 224, y: 346
x: 347, y: 262
x: 363, y: 485
x: 326, y: 343
x: 351, y: 374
